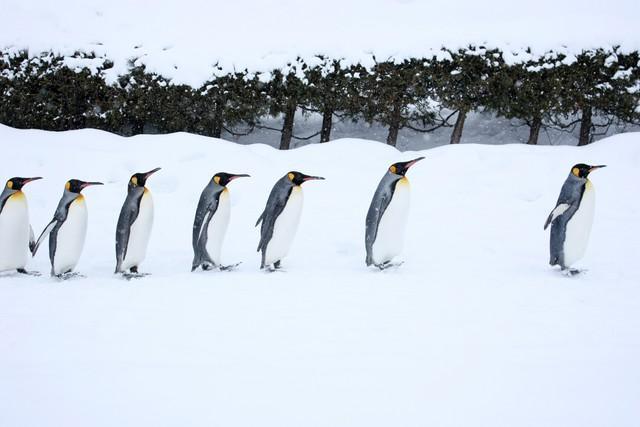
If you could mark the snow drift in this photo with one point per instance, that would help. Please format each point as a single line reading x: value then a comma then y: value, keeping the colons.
x: 474, y: 329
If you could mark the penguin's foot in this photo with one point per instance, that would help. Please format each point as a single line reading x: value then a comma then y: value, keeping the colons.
x: 129, y: 276
x: 570, y: 272
x: 29, y: 273
x: 388, y: 264
x: 273, y: 268
x: 206, y: 266
x: 229, y: 267
x: 69, y: 275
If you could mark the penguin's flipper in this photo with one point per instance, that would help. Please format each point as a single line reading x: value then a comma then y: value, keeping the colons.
x: 45, y: 233
x: 377, y: 208
x: 128, y: 215
x: 32, y: 239
x: 207, y: 207
x: 260, y: 219
x: 275, y: 206
x: 555, y: 213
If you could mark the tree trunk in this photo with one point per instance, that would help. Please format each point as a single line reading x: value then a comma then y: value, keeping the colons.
x: 327, y: 121
x: 456, y: 135
x: 394, y: 126
x: 534, y: 130
x: 216, y: 131
x: 287, y: 127
x: 585, y: 126
x: 137, y: 127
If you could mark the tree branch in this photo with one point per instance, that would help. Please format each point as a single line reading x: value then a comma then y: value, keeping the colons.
x: 234, y: 133
x: 444, y: 123
x: 305, y: 138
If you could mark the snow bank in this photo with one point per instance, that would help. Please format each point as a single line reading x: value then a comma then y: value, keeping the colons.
x: 474, y: 329
x: 183, y: 40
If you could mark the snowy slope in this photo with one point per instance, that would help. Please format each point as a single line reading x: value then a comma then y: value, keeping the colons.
x: 474, y: 329
x: 182, y: 40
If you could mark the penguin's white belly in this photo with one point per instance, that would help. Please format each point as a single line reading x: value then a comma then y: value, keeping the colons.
x: 14, y: 233
x: 70, y: 238
x: 579, y: 227
x: 391, y: 228
x: 218, y: 227
x: 139, y: 233
x: 285, y: 227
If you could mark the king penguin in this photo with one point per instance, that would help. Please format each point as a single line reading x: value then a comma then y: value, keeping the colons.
x: 280, y: 218
x: 211, y: 222
x: 387, y: 216
x: 67, y: 230
x: 16, y: 234
x: 572, y: 218
x: 134, y: 225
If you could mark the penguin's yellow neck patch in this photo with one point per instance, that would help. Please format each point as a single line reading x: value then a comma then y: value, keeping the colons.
x: 67, y: 186
x: 403, y: 181
x: 79, y: 199
x: 17, y: 196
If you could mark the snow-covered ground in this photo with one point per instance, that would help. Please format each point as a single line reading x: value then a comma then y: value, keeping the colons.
x: 474, y: 329
x: 184, y: 39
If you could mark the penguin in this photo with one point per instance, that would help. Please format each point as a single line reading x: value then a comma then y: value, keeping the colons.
x: 387, y: 216
x: 67, y: 230
x: 280, y: 218
x: 16, y: 234
x: 211, y: 222
x: 572, y: 218
x: 134, y: 225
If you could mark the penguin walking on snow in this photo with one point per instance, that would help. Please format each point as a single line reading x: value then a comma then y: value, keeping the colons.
x: 572, y: 218
x: 134, y: 225
x: 211, y: 222
x: 280, y: 218
x: 16, y: 234
x: 67, y: 230
x: 387, y: 216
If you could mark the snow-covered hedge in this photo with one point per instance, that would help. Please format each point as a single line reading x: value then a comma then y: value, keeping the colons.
x: 592, y: 90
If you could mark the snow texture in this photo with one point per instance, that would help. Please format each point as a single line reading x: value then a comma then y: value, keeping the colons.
x: 184, y: 40
x: 473, y: 329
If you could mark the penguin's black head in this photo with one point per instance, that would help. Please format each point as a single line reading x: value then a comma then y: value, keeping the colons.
x: 140, y: 179
x: 76, y: 186
x: 16, y: 183
x: 223, y: 178
x: 298, y: 177
x: 582, y: 171
x: 401, y: 168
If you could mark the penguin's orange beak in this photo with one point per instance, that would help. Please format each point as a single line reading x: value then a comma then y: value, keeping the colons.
x: 27, y: 180
x: 311, y: 178
x: 592, y: 168
x: 151, y: 172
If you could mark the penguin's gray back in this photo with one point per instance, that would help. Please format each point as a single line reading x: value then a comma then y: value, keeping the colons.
x: 381, y: 199
x: 568, y: 204
x: 276, y: 203
x: 67, y: 233
x: 206, y: 210
x: 128, y: 215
